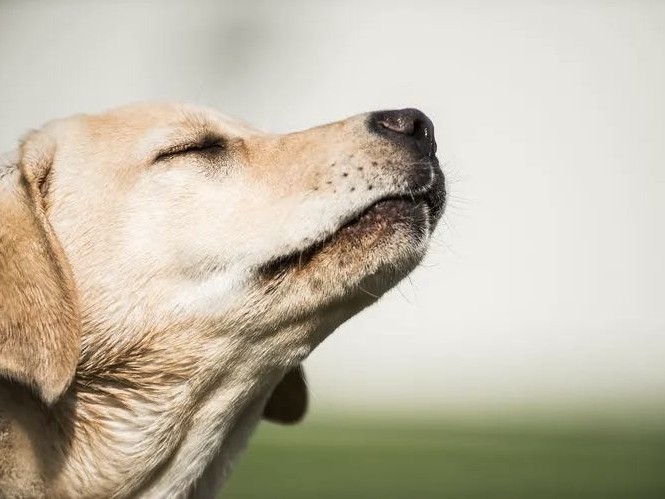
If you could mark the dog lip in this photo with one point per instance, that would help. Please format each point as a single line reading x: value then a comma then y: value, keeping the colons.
x: 409, y: 199
x: 431, y: 194
x: 351, y: 225
x: 381, y: 207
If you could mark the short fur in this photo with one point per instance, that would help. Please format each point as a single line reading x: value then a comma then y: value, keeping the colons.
x: 162, y: 268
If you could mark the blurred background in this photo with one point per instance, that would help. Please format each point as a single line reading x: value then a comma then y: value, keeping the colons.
x: 525, y: 357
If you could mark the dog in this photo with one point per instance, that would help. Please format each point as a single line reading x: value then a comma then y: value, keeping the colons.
x: 164, y: 271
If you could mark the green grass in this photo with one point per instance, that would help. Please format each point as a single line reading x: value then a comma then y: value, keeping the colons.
x: 361, y: 459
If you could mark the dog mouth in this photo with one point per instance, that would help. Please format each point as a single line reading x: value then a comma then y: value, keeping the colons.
x: 419, y: 212
x: 390, y: 210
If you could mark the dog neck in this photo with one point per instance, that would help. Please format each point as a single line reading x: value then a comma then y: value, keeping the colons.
x: 159, y: 423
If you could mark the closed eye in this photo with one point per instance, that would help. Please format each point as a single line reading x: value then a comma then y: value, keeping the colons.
x: 209, y: 146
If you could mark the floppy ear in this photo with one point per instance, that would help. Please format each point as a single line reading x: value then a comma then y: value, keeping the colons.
x: 288, y: 402
x: 40, y: 320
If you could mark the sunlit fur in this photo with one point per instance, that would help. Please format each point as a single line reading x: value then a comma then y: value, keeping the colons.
x: 202, y: 279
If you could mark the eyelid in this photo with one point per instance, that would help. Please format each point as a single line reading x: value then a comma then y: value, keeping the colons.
x: 201, y: 145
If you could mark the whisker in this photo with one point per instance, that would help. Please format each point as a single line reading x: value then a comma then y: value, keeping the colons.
x: 399, y: 288
x: 367, y: 292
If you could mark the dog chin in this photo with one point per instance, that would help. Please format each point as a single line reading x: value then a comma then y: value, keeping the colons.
x: 365, y: 258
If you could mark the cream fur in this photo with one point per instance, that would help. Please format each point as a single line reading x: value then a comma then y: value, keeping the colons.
x: 188, y: 320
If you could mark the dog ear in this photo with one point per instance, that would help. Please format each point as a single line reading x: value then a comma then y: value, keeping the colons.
x: 40, y: 321
x: 288, y: 402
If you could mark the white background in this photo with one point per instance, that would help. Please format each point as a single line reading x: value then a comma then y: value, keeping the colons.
x: 545, y: 284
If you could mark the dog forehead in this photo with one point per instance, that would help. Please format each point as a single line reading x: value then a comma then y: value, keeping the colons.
x: 136, y: 123
x: 140, y: 129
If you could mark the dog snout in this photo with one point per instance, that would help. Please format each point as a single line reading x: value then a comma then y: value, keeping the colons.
x: 408, y: 128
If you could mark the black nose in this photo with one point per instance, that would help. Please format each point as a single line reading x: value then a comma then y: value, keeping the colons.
x: 407, y: 127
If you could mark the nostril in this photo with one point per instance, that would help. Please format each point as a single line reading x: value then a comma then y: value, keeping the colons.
x: 400, y: 123
x: 409, y: 127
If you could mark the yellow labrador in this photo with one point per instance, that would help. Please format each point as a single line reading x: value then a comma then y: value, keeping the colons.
x: 164, y: 270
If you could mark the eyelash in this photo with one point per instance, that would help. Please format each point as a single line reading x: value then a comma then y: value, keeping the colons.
x: 208, y: 146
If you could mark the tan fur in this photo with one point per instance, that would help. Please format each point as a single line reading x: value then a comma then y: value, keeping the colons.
x: 152, y: 300
x: 40, y: 343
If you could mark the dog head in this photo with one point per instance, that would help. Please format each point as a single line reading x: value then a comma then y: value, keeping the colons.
x: 172, y: 225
